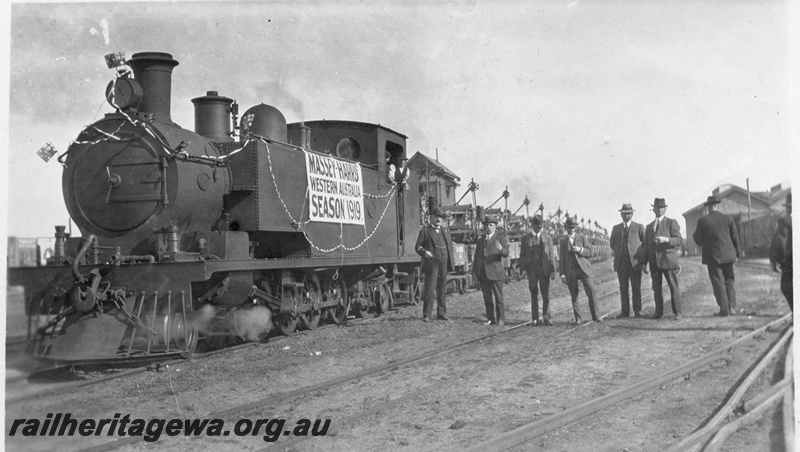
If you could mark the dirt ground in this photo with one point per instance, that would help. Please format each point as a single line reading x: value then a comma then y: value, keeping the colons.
x: 455, y: 400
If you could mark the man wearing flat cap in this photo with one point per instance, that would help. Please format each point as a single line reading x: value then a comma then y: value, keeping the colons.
x: 538, y: 259
x: 781, y: 252
x: 488, y: 268
x: 662, y: 240
x: 435, y: 247
x: 626, y: 239
x: 573, y: 265
x: 718, y: 238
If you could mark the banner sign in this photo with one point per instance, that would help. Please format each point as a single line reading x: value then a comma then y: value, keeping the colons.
x: 335, y: 190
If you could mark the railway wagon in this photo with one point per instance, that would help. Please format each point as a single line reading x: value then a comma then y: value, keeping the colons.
x: 193, y: 232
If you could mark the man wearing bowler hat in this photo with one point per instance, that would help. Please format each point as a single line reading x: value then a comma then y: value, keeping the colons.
x: 488, y: 267
x: 662, y: 240
x: 573, y: 266
x: 435, y: 247
x: 626, y: 239
x: 781, y: 252
x: 718, y: 239
x: 537, y: 257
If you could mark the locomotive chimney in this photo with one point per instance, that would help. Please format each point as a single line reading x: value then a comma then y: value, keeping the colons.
x: 212, y: 117
x: 153, y: 70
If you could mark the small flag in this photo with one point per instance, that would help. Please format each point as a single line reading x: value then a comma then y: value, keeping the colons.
x: 115, y: 59
x: 47, y: 152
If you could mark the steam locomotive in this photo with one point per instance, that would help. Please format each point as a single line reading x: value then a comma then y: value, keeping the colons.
x: 186, y: 232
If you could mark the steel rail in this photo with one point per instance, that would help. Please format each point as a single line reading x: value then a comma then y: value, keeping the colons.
x: 724, y: 432
x: 788, y: 401
x: 693, y: 441
x: 529, y: 431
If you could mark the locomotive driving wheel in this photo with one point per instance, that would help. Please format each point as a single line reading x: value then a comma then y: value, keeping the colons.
x: 336, y: 290
x: 287, y: 323
x: 312, y: 293
x: 383, y: 298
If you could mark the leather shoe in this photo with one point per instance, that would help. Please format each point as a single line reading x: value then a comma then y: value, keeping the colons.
x: 720, y: 314
x: 499, y: 323
x: 598, y: 320
x: 637, y: 314
x: 657, y: 317
x: 622, y: 315
x: 443, y: 317
x: 677, y: 316
x: 426, y: 319
x: 547, y: 322
x: 536, y: 323
x: 488, y: 322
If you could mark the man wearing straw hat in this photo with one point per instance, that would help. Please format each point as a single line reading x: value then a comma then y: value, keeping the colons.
x: 537, y: 258
x: 662, y: 240
x: 488, y: 268
x: 626, y: 239
x: 718, y: 238
x: 781, y: 251
x: 573, y: 266
x: 435, y: 247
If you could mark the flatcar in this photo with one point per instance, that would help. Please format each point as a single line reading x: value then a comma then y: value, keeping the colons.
x: 241, y: 224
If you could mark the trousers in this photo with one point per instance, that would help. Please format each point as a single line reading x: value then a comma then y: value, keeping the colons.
x: 671, y: 275
x: 722, y: 279
x: 538, y: 279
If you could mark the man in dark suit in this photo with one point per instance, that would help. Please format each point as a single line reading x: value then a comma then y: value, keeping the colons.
x: 573, y: 266
x: 662, y: 240
x: 536, y: 256
x: 781, y: 252
x: 488, y: 267
x: 436, y: 248
x: 626, y: 239
x: 718, y: 238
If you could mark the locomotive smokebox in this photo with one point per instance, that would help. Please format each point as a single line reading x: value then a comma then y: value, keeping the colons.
x: 212, y: 116
x: 153, y: 70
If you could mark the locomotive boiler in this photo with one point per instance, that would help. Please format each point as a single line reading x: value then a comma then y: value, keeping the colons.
x: 187, y: 232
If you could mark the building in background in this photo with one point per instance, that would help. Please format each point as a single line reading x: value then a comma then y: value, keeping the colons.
x: 755, y: 214
x: 435, y: 180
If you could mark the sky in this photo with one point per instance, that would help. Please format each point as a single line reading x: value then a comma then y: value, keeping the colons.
x: 578, y: 105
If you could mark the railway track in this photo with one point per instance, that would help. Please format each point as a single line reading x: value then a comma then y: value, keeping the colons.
x: 532, y: 430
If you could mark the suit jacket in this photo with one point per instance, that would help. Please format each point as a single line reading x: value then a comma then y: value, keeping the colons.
x: 662, y: 256
x: 488, y: 261
x: 565, y: 253
x: 780, y: 250
x: 425, y: 243
x: 717, y: 236
x: 548, y: 262
x: 635, y: 239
